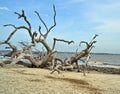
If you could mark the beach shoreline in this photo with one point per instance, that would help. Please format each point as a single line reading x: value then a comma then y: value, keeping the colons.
x: 91, y: 66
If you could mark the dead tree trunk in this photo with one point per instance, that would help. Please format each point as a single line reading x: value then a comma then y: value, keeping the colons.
x: 83, y: 53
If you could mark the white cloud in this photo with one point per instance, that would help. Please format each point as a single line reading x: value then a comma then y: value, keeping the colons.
x: 109, y: 26
x: 106, y: 15
x: 4, y: 8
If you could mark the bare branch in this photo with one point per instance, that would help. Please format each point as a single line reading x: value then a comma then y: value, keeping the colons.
x: 19, y: 16
x: 33, y: 37
x: 40, y: 32
x: 25, y: 19
x: 94, y: 37
x: 55, y: 39
x: 27, y: 47
x: 10, y: 25
x: 90, y: 48
x: 69, y: 42
x: 43, y: 42
x: 20, y: 27
x: 54, y: 21
x: 84, y: 42
x: 42, y: 20
x: 47, y: 30
x: 14, y: 48
x: 90, y: 43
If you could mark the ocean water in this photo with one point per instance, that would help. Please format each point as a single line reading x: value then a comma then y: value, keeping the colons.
x: 107, y: 59
x: 110, y: 59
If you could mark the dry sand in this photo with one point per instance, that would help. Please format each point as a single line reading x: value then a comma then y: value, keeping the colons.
x: 40, y: 81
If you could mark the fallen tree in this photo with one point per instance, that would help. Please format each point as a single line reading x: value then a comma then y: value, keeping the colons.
x: 83, y: 55
x: 16, y: 55
x: 46, y: 59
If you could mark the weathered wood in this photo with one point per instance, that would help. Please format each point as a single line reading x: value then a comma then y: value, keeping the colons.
x: 83, y: 53
x: 46, y: 59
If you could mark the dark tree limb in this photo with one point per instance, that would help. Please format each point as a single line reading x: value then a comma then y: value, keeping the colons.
x: 62, y: 40
x: 10, y: 25
x: 84, y: 42
x: 24, y: 17
x: 39, y: 30
x: 94, y: 37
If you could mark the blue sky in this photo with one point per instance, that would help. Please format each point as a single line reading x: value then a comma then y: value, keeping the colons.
x: 76, y: 20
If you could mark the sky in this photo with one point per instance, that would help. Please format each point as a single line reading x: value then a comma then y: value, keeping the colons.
x: 77, y: 20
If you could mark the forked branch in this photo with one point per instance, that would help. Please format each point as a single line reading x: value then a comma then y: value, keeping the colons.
x: 47, y: 30
x: 20, y: 27
x: 24, y: 17
x: 54, y: 21
x: 42, y: 20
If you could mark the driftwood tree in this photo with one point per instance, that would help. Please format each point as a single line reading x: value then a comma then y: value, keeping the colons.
x: 47, y: 59
x: 36, y: 37
x: 83, y: 55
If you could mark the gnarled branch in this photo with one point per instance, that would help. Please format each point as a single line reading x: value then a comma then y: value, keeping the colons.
x: 62, y: 40
x: 24, y: 17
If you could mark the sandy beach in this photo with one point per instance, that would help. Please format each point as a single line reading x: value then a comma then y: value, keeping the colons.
x: 40, y: 81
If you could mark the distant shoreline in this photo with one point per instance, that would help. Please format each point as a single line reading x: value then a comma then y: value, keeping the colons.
x: 2, y: 51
